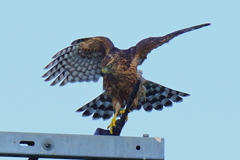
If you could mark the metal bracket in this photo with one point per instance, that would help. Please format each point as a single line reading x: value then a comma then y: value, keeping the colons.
x: 69, y: 146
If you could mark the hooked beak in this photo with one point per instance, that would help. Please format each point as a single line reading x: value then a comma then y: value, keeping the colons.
x: 104, y: 70
x: 102, y: 74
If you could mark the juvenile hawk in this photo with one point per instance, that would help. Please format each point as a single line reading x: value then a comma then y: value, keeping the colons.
x: 89, y: 58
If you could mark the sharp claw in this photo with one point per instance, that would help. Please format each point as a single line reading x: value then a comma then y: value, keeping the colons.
x: 114, y: 119
x: 112, y: 124
x: 123, y: 111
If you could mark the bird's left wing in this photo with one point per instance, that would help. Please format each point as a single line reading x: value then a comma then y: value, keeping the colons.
x: 146, y: 45
x: 79, y: 62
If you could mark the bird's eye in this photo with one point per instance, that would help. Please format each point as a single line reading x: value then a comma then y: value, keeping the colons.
x: 109, y: 65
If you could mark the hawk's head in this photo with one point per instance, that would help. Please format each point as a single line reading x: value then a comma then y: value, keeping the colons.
x: 109, y: 64
x: 116, y: 62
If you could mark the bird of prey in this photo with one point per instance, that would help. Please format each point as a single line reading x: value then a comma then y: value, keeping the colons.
x: 87, y: 59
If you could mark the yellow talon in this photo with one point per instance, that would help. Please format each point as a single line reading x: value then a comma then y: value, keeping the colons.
x: 113, y: 123
x: 114, y: 119
x: 123, y: 111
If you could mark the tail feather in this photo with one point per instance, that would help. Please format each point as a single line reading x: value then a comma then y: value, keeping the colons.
x: 157, y: 97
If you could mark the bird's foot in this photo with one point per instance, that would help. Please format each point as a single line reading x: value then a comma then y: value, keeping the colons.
x: 123, y: 111
x: 112, y: 125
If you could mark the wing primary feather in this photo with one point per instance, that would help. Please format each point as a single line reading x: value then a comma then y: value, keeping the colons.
x: 62, y: 52
x: 58, y: 79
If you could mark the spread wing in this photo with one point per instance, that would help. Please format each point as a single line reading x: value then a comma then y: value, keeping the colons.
x: 79, y: 62
x: 100, y: 107
x: 146, y: 45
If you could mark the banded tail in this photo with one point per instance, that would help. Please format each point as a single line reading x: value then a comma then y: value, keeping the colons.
x: 157, y: 97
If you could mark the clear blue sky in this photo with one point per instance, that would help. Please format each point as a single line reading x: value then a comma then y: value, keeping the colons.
x: 204, y: 63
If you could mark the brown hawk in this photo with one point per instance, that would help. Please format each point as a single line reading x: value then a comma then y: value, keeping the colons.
x: 87, y: 59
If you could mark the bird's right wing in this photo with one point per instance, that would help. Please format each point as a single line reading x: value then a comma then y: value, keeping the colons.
x: 78, y: 62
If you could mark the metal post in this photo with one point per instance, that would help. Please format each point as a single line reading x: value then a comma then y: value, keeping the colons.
x: 70, y: 146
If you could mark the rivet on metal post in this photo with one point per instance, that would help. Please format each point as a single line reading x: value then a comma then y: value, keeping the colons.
x: 48, y: 144
x: 145, y: 135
